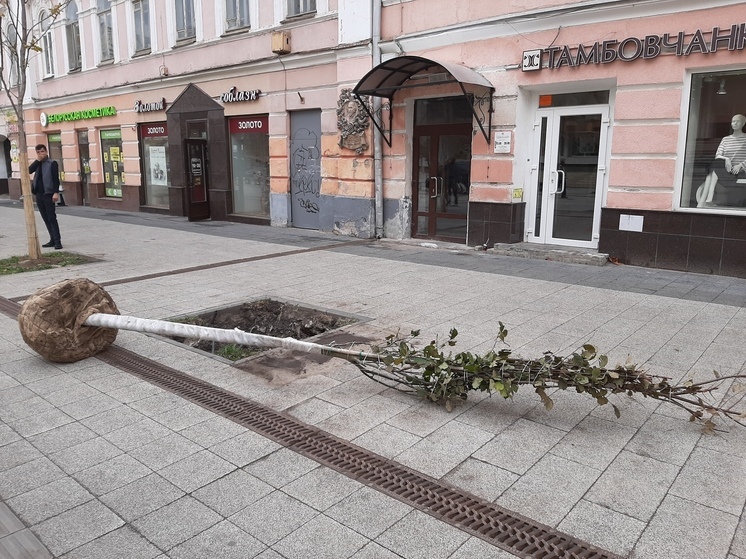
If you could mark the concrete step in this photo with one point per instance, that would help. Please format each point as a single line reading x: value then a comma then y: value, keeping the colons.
x: 551, y: 252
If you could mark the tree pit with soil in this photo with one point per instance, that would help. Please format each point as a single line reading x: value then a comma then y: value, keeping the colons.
x: 265, y: 316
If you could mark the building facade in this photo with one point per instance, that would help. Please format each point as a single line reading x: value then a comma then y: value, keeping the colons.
x: 613, y: 125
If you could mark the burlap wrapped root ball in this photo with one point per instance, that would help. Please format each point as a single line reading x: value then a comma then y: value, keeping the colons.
x: 51, y: 320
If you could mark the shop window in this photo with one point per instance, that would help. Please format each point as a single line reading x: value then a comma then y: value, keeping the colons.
x: 111, y: 155
x: 155, y: 166
x: 715, y: 155
x: 54, y: 148
x: 236, y: 14
x: 72, y: 34
x: 297, y: 7
x: 105, y: 30
x: 141, y: 10
x: 185, y: 27
x: 47, y: 47
x: 250, y: 165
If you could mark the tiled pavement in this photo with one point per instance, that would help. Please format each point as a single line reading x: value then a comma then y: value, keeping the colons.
x: 96, y: 463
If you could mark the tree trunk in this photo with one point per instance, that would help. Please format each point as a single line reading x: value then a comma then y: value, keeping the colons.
x: 34, y: 248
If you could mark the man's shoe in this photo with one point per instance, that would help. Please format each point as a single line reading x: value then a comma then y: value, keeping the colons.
x: 58, y: 246
x: 50, y: 244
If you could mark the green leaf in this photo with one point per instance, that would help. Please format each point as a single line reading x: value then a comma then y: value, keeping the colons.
x: 603, y: 361
x: 617, y: 413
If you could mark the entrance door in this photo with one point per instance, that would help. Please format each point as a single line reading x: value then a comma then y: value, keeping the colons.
x: 198, y: 206
x: 567, y: 175
x: 440, y: 181
x: 305, y: 168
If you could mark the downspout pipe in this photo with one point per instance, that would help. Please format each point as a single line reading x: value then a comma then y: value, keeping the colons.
x: 377, y: 138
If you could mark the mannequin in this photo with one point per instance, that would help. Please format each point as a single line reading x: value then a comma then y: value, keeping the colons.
x: 729, y: 163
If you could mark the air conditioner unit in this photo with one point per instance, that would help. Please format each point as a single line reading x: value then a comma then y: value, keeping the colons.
x: 281, y: 42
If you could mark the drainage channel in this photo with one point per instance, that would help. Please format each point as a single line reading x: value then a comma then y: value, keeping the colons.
x: 507, y: 530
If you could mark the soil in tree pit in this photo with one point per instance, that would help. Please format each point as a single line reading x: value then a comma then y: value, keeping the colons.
x: 268, y: 317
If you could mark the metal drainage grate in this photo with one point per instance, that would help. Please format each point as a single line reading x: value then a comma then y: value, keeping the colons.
x: 510, y: 531
x: 507, y: 530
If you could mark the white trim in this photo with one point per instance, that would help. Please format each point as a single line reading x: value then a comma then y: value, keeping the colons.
x: 532, y: 21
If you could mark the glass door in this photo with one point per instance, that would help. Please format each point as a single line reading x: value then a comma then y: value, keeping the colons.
x: 567, y: 173
x: 197, y: 172
x: 442, y: 165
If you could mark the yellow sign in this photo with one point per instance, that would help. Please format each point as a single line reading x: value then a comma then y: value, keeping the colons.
x: 517, y: 193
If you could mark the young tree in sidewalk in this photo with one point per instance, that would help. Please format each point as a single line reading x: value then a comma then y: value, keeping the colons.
x: 20, y: 41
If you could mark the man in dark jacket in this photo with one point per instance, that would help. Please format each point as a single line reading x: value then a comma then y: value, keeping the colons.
x: 46, y: 187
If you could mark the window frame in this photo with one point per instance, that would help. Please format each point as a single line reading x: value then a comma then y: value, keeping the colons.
x: 304, y: 7
x: 105, y: 30
x: 183, y: 8
x: 141, y: 23
x: 234, y: 6
x: 47, y: 44
x: 72, y: 36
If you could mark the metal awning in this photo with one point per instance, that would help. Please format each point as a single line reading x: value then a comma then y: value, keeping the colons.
x: 392, y: 75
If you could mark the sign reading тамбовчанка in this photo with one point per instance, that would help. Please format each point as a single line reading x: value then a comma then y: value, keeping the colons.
x: 77, y: 115
x: 632, y: 48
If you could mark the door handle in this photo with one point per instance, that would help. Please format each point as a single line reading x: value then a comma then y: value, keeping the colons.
x: 560, y: 181
x: 438, y: 181
x: 553, y: 178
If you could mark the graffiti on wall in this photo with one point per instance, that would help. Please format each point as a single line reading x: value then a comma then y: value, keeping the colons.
x: 305, y: 169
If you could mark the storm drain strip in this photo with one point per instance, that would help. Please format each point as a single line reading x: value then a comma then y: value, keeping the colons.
x: 201, y: 267
x: 512, y: 532
x: 9, y: 308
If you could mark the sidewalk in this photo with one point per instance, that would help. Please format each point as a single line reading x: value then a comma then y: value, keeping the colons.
x: 97, y: 463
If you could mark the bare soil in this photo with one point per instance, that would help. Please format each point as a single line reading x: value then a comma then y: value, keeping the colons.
x: 268, y: 317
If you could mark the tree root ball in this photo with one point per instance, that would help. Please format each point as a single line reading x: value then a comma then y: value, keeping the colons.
x: 51, y: 320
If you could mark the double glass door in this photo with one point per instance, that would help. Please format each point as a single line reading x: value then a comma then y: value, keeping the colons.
x: 442, y: 165
x: 567, y: 175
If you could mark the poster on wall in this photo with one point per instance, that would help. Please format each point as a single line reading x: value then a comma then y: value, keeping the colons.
x: 111, y: 146
x: 158, y: 165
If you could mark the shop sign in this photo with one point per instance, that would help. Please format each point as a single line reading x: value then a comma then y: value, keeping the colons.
x: 233, y: 95
x: 632, y: 48
x: 141, y: 107
x: 77, y: 115
x: 250, y: 125
x: 149, y: 130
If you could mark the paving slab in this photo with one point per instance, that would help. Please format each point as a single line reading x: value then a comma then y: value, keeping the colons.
x: 161, y: 477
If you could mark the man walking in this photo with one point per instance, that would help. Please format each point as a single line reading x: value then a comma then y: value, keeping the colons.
x: 46, y: 187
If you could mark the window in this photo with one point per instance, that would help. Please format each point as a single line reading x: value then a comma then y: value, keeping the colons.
x: 46, y: 44
x: 715, y: 154
x: 142, y: 25
x: 185, y: 19
x: 236, y: 14
x: 297, y: 7
x: 250, y: 165
x: 105, y: 30
x: 12, y: 46
x: 72, y: 32
x: 111, y: 149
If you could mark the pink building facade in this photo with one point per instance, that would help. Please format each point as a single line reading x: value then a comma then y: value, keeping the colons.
x: 598, y: 125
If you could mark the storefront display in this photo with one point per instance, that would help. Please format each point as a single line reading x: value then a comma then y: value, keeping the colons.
x: 250, y: 165
x: 715, y: 158
x: 111, y: 150
x: 155, y: 166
